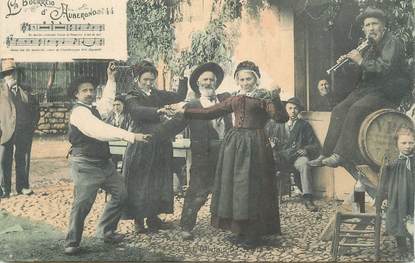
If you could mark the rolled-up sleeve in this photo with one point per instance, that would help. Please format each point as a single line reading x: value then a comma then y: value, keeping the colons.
x: 93, y: 127
x: 105, y: 104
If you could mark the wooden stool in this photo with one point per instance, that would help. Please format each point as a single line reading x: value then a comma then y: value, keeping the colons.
x: 367, y: 226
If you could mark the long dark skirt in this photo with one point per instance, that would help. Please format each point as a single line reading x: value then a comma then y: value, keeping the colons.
x: 245, y: 195
x: 149, y: 179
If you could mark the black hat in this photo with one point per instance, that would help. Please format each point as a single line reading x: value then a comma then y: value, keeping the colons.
x: 142, y: 67
x: 371, y: 12
x: 210, y: 66
x: 247, y: 65
x: 120, y: 97
x: 296, y: 101
x: 73, y: 87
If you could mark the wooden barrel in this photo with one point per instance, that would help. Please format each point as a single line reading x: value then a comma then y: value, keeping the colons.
x: 377, y: 132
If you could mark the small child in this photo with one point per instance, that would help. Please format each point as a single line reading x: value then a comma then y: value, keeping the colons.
x: 398, y: 181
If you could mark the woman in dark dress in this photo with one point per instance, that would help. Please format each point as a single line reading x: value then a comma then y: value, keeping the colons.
x: 148, y: 166
x: 245, y: 195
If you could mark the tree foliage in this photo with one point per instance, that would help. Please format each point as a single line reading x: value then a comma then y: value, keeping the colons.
x: 213, y: 44
x: 150, y: 31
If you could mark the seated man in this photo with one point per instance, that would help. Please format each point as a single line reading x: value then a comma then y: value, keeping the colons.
x: 293, y: 143
x: 383, y: 83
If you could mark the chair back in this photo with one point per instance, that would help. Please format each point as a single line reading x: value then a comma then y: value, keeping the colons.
x: 380, y: 193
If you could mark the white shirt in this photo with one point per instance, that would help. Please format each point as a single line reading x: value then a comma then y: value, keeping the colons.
x: 91, y: 126
x: 219, y: 123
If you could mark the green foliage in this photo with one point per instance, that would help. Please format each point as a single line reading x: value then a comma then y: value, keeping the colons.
x: 150, y: 33
x: 254, y: 7
x: 232, y: 9
x: 214, y: 44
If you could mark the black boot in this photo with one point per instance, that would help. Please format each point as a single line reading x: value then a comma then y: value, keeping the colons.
x: 139, y: 226
x: 401, y: 245
x: 309, y: 204
x: 154, y: 223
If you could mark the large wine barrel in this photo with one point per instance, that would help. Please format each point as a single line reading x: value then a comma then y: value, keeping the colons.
x: 377, y: 132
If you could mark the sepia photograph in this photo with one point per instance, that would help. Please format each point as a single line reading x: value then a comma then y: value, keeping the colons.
x: 207, y: 130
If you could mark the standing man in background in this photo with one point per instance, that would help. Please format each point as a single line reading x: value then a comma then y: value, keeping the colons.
x: 19, y: 115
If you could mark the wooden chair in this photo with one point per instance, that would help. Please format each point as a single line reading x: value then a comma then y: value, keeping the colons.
x: 367, y: 226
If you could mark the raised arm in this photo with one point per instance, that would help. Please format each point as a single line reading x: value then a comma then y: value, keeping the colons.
x: 210, y: 113
x: 168, y: 97
x: 391, y: 54
x: 139, y: 112
x: 275, y: 108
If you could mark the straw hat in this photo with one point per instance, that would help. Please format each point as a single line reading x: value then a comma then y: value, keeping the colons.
x: 7, y: 64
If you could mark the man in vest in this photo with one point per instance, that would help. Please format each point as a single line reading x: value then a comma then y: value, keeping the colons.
x: 206, y: 137
x: 91, y: 167
x: 19, y: 115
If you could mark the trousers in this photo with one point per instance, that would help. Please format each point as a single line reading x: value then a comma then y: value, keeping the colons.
x: 202, y: 175
x: 346, y: 119
x: 20, y: 145
x: 305, y: 174
x: 89, y: 176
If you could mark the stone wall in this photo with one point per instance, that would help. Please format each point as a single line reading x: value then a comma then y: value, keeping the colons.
x: 54, y: 118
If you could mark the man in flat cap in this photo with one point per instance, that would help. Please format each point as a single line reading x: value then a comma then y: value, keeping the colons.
x: 382, y: 84
x: 293, y: 144
x: 19, y: 115
x: 206, y: 137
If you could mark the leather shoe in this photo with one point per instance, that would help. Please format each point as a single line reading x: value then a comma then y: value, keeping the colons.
x: 333, y: 161
x: 316, y: 162
x: 309, y: 204
x: 155, y: 223
x: 5, y: 195
x: 113, y: 238
x: 72, y: 250
x: 139, y: 226
x: 27, y: 191
x: 186, y: 235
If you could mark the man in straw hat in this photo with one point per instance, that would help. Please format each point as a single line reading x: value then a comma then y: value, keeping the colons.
x: 382, y: 84
x: 19, y: 115
x: 206, y: 137
x: 293, y: 143
x: 91, y: 167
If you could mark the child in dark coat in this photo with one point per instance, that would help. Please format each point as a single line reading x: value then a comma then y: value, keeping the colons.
x: 398, y: 182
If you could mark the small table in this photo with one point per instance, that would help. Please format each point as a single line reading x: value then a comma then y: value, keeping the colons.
x: 181, y: 148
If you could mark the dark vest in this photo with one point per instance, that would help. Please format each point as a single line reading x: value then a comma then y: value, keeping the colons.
x: 86, y: 146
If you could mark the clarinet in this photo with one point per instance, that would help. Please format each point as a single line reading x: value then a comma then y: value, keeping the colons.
x: 366, y: 43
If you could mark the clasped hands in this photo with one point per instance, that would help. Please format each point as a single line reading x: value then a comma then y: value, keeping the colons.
x: 172, y: 109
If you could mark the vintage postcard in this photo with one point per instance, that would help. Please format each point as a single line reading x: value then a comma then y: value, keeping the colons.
x: 207, y: 130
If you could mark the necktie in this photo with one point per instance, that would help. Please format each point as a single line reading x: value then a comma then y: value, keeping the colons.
x: 14, y: 90
x: 408, y: 160
x: 290, y: 124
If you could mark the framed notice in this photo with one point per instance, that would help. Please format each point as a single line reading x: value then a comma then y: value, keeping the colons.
x: 63, y: 30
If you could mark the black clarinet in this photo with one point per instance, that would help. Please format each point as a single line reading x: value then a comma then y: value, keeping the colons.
x: 366, y: 43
